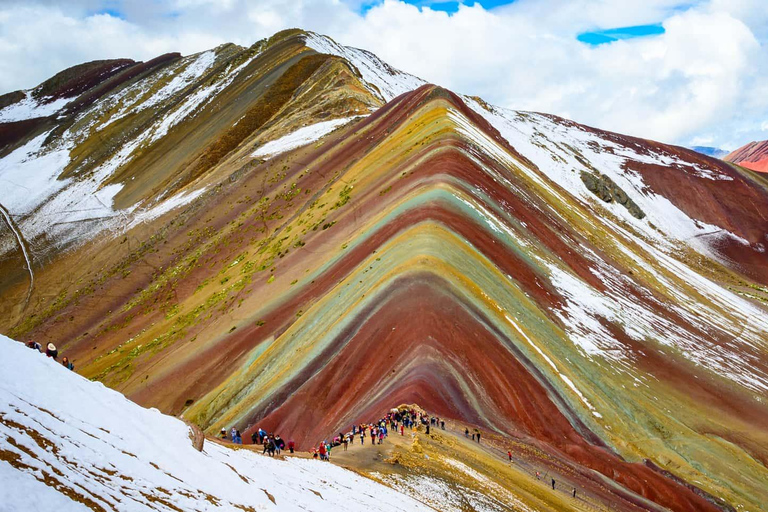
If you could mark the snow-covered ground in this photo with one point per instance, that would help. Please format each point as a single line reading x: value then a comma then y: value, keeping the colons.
x: 66, y: 442
x: 300, y: 137
x: 383, y: 80
x: 30, y: 108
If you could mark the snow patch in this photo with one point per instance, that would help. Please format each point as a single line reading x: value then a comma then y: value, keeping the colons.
x: 30, y: 108
x: 177, y: 201
x: 382, y: 80
x: 300, y: 137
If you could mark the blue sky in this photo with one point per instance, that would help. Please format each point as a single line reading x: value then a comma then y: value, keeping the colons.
x: 690, y: 72
x: 442, y: 5
x: 593, y: 37
x: 598, y: 37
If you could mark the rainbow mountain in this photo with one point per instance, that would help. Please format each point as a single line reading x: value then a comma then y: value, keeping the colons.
x: 299, y: 237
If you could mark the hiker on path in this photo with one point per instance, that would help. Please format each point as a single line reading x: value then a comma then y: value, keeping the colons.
x: 553, y: 484
x: 223, y: 433
x: 51, y: 351
x: 442, y: 424
x: 272, y: 446
x: 574, y: 492
x: 35, y: 345
x: 279, y: 444
x: 291, y: 446
x: 509, y: 453
x: 323, y: 451
x: 67, y: 364
x: 346, y: 442
x: 466, y: 433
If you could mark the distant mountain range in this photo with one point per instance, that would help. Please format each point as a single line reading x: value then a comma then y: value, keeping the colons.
x: 710, y: 151
x: 297, y: 236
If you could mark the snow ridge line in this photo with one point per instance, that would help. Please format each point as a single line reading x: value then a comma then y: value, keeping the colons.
x: 24, y: 250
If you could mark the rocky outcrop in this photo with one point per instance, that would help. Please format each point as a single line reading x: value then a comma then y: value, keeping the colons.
x: 607, y: 190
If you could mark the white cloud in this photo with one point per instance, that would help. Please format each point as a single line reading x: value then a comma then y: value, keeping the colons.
x: 704, y: 79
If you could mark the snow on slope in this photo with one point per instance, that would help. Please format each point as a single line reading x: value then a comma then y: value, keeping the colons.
x: 62, y: 435
x: 30, y: 108
x: 554, y: 148
x: 43, y: 204
x: 300, y: 137
x: 72, y: 211
x: 387, y: 82
x: 139, y: 96
x: 559, y: 151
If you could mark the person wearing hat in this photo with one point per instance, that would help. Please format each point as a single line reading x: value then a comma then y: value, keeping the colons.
x: 51, y: 351
x: 223, y: 433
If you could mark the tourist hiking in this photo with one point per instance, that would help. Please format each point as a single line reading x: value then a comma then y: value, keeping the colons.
x: 52, y: 352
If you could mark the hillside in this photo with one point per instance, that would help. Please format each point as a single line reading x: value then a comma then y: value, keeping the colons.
x: 70, y: 444
x: 752, y: 156
x: 296, y: 235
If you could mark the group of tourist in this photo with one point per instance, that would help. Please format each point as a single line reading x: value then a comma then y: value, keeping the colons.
x: 394, y: 421
x: 273, y: 444
x: 52, y: 352
x: 377, y: 431
x: 475, y: 435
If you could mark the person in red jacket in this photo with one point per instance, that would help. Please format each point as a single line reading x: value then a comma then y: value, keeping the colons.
x: 322, y: 451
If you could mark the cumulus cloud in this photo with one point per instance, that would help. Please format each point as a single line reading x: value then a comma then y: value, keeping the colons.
x: 703, y: 79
